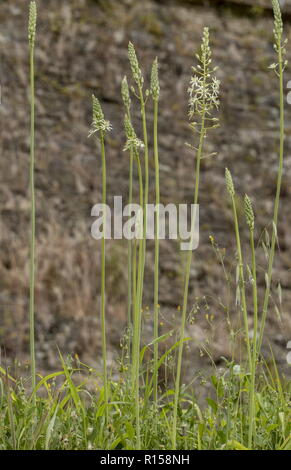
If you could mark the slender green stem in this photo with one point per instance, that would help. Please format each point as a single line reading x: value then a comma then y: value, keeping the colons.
x: 156, y: 274
x: 137, y: 318
x: 140, y: 269
x: 276, y: 206
x: 32, y: 224
x: 146, y: 183
x: 186, y: 285
x: 129, y: 261
x: 103, y: 279
x: 242, y: 282
x: 252, y: 423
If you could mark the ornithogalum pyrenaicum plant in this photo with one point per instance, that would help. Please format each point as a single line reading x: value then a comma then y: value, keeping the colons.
x: 203, y: 101
x: 99, y: 127
x: 31, y: 40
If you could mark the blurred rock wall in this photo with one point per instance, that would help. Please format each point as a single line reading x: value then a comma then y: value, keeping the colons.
x: 82, y: 48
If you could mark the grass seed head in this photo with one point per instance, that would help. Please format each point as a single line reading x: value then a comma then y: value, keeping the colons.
x: 32, y: 23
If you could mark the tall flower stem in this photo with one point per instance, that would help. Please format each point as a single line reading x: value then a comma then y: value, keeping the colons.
x: 138, y: 78
x: 155, y: 94
x: 251, y: 223
x: 146, y: 184
x: 103, y: 279
x: 100, y: 126
x: 252, y: 426
x: 186, y: 287
x: 130, y: 279
x: 279, y: 46
x: 130, y: 263
x: 137, y: 317
x: 31, y: 35
x: 132, y: 144
x: 204, y: 91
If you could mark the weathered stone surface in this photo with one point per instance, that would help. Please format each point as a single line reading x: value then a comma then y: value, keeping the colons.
x: 82, y: 48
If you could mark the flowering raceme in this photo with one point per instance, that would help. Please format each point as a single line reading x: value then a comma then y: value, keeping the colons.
x: 204, y: 86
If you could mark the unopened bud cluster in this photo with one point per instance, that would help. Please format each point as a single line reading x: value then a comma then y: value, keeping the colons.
x: 229, y: 182
x: 280, y: 44
x: 249, y: 213
x: 32, y: 23
x: 99, y: 124
x: 125, y: 94
x: 133, y: 142
x: 136, y: 71
x: 155, y: 85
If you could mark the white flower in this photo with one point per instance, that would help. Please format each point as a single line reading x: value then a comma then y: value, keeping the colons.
x: 204, y: 95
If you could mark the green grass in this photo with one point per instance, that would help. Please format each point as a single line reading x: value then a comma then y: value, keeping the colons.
x: 68, y: 416
x: 246, y: 403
